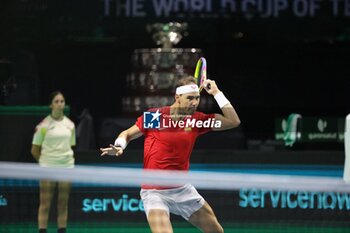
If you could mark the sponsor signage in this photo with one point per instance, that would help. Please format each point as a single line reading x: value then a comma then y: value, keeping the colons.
x: 109, y: 19
x: 247, y: 9
x: 314, y: 129
x: 3, y: 201
x: 111, y: 203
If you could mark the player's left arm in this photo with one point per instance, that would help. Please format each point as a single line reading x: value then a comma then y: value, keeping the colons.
x: 229, y: 117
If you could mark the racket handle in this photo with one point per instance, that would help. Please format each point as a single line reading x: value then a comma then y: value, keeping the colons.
x: 207, y: 87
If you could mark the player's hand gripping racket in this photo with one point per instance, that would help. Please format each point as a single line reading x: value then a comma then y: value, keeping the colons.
x: 200, y: 75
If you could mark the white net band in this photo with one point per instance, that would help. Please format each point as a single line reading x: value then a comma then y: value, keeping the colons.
x: 133, y: 177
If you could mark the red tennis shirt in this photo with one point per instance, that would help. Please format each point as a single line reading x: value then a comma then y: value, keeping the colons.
x: 170, y: 146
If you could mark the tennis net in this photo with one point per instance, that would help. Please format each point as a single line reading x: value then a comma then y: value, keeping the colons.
x: 106, y: 199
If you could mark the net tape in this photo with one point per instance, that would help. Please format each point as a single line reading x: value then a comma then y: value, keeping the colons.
x: 134, y: 177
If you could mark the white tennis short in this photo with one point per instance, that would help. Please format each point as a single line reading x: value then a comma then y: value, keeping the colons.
x: 183, y: 201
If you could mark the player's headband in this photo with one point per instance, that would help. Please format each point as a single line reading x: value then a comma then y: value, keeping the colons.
x: 187, y: 89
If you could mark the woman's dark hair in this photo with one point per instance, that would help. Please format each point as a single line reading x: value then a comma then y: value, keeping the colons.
x: 53, y: 95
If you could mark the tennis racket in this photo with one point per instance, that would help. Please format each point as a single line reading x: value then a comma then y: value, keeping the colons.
x: 200, y: 74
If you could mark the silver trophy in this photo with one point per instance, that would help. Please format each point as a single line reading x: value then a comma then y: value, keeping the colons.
x: 167, y: 34
x: 155, y: 71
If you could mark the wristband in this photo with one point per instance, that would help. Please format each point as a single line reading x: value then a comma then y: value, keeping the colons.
x: 121, y: 142
x: 221, y: 99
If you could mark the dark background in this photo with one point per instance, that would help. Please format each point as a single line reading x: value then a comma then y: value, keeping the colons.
x: 267, y: 66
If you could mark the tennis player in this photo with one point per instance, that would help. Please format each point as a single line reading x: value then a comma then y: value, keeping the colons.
x: 169, y: 147
x: 52, y: 147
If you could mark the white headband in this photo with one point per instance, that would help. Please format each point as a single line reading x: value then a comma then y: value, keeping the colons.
x: 187, y: 89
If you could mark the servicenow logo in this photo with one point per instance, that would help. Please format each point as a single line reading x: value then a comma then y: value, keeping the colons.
x: 3, y: 201
x: 256, y: 198
x: 123, y: 204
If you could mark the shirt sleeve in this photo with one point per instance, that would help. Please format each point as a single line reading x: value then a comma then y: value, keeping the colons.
x: 139, y: 124
x: 39, y: 135
x: 204, y: 117
x: 73, y: 137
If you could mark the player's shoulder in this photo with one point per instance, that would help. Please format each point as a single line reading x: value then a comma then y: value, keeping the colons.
x: 43, y: 125
x: 200, y: 115
x: 44, y: 122
x: 163, y: 109
x: 68, y: 122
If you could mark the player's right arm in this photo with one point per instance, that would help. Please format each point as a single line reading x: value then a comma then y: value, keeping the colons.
x: 120, y: 143
x: 38, y: 138
x: 35, y: 151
